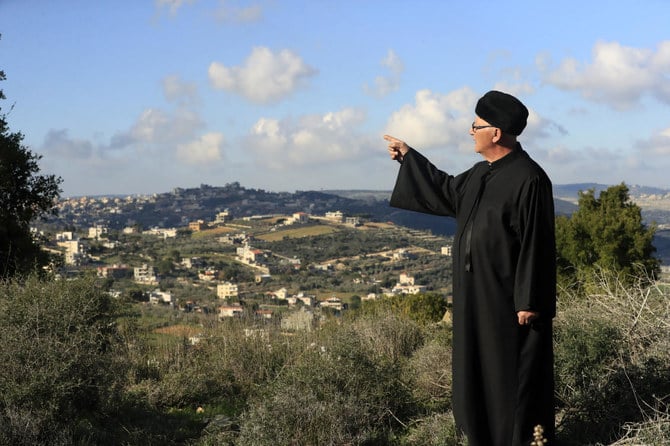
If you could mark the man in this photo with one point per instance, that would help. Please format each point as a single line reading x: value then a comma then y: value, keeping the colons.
x: 504, y: 260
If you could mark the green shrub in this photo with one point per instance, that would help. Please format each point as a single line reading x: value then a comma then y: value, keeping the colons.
x: 428, y: 373
x: 437, y: 429
x: 231, y: 362
x: 612, y: 363
x: 59, y: 359
x: 336, y: 392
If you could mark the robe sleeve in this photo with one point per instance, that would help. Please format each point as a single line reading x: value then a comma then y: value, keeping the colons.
x: 535, y: 284
x: 422, y: 187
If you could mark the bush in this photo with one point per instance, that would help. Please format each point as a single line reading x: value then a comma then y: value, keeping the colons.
x: 59, y: 360
x: 612, y: 362
x: 230, y: 363
x: 337, y: 392
x: 428, y: 373
x: 437, y: 429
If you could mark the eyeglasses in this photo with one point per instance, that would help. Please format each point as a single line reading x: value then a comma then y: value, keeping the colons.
x: 479, y: 127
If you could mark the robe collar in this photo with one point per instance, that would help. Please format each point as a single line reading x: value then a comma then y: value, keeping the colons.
x: 507, y: 159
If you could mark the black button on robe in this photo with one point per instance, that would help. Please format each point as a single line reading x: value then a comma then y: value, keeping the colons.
x: 504, y: 261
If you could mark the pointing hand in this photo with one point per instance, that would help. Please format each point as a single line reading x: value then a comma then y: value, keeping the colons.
x: 397, y: 148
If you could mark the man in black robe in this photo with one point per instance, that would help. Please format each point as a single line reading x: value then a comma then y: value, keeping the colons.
x: 504, y: 261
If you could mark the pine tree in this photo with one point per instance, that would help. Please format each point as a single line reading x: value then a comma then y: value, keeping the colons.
x: 605, y: 233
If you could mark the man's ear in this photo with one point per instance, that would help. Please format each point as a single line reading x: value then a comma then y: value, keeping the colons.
x: 497, y: 136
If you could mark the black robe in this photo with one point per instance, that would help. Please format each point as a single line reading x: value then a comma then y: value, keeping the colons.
x: 504, y: 261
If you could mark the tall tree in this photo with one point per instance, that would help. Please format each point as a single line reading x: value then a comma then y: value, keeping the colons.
x: 25, y: 195
x: 605, y: 233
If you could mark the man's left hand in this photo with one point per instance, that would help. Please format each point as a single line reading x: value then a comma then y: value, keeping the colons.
x: 527, y: 317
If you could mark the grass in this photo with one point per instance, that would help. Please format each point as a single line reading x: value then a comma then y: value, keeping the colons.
x: 309, y: 231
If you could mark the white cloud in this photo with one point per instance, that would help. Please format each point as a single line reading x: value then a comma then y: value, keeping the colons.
x: 617, y: 75
x: 435, y: 119
x: 176, y: 90
x: 232, y: 14
x: 171, y: 5
x: 314, y: 139
x: 265, y: 76
x: 205, y: 150
x: 155, y: 126
x: 658, y: 144
x: 383, y: 85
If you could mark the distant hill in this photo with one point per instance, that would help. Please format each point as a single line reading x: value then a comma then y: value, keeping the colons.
x: 183, y: 205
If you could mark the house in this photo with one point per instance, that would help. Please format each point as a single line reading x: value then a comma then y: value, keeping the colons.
x: 96, y: 231
x: 300, y: 297
x: 230, y: 311
x: 208, y: 275
x: 333, y: 302
x: 298, y: 218
x: 192, y: 262
x: 65, y: 236
x: 157, y: 296
x: 264, y: 314
x: 145, y: 274
x: 226, y: 290
x: 406, y: 285
x: 197, y: 226
x: 222, y: 217
x: 114, y: 271
x: 75, y: 252
x: 405, y: 279
x: 336, y: 216
x: 162, y: 232
x: 262, y: 278
x: 352, y: 221
x: 250, y: 255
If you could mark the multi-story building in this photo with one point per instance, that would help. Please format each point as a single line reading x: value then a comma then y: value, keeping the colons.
x: 226, y: 290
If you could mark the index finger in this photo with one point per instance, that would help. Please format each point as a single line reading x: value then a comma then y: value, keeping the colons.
x: 390, y: 138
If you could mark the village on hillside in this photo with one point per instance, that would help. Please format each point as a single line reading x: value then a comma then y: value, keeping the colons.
x: 288, y: 269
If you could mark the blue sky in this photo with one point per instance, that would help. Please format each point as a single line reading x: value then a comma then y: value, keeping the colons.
x: 141, y: 96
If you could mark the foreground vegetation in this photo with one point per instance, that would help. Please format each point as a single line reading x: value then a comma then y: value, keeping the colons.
x: 81, y: 368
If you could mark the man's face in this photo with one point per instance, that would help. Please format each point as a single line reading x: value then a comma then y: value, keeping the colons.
x: 482, y: 133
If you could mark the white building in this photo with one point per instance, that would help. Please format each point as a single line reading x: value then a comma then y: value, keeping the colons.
x: 230, y: 311
x: 308, y: 301
x: 298, y: 218
x: 65, y: 236
x: 157, y: 296
x: 226, y: 290
x: 332, y: 302
x: 145, y: 274
x: 337, y: 216
x: 96, y: 231
x: 75, y: 252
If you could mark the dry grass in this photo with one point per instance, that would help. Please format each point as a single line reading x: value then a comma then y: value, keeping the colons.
x: 309, y: 231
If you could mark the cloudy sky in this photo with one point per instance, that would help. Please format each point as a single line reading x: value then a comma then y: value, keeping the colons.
x: 141, y: 96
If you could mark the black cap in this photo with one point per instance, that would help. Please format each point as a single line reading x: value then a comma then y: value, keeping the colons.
x: 504, y: 111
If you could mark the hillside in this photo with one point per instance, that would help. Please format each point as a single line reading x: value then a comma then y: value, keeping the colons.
x: 181, y: 206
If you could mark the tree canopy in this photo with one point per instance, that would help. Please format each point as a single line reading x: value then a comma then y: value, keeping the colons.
x: 605, y: 233
x: 25, y: 195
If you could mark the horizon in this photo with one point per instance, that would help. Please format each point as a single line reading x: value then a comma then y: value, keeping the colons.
x: 291, y: 95
x: 597, y: 186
